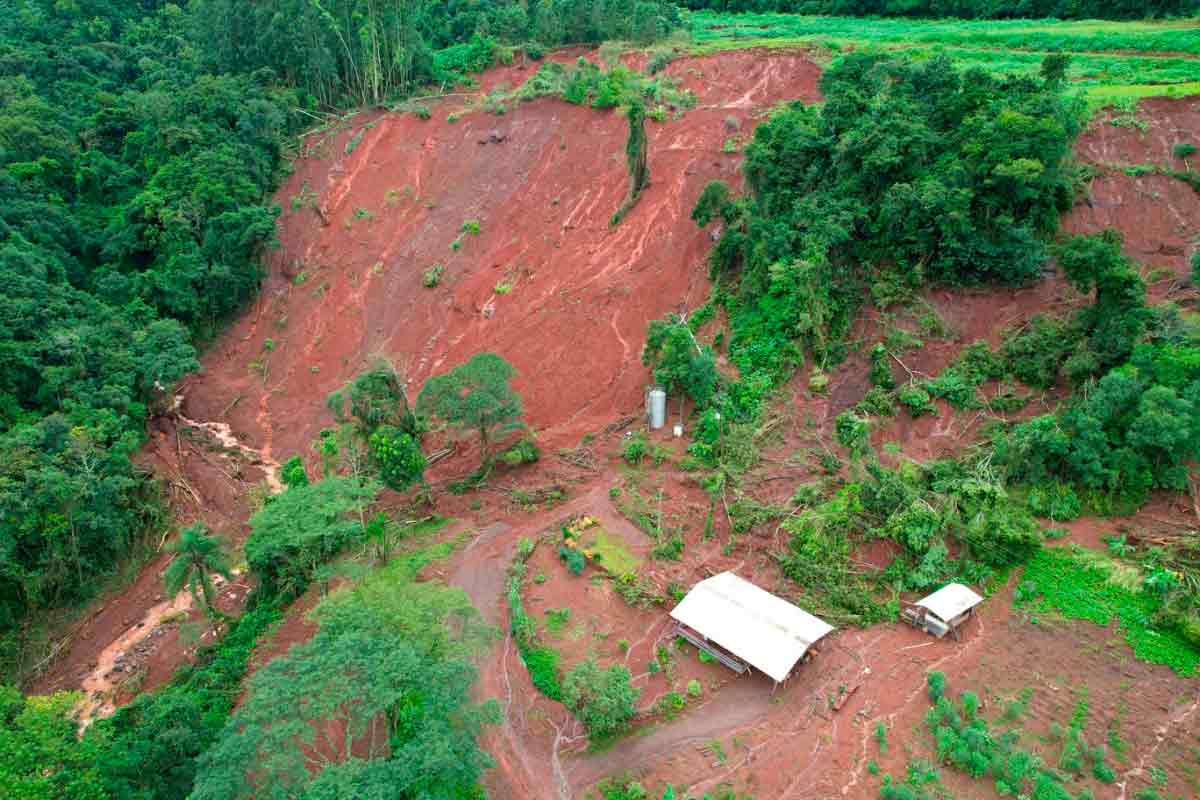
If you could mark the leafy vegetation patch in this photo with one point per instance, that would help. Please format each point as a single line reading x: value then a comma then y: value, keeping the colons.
x: 1083, y: 585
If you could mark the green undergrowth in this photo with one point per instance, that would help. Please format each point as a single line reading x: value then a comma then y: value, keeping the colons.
x: 1090, y: 586
x: 541, y: 661
x: 585, y: 83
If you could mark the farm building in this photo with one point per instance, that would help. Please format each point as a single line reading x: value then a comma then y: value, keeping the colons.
x: 743, y: 626
x: 944, y: 611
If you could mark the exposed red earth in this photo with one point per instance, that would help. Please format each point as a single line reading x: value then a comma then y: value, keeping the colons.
x: 549, y: 285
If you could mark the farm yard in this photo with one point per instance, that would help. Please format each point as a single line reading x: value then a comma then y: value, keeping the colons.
x: 919, y: 300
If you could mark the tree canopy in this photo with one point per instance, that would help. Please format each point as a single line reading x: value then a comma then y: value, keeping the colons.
x: 909, y: 173
x: 475, y: 396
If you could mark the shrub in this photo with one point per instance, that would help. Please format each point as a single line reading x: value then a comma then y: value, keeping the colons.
x: 575, y: 560
x: 693, y: 688
x: 524, y: 451
x: 535, y: 50
x: 1057, y: 501
x: 602, y: 699
x: 936, y: 683
x: 916, y: 400
x: 881, y: 368
x: 634, y: 449
x: 432, y: 276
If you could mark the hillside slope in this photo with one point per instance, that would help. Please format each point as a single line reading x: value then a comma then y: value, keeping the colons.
x: 542, y: 182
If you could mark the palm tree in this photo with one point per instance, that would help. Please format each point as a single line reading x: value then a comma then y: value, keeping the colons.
x: 198, y: 554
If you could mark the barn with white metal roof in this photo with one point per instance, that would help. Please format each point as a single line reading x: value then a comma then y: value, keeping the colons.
x: 744, y: 626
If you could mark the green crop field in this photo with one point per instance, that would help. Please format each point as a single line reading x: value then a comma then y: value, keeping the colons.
x: 1110, y: 60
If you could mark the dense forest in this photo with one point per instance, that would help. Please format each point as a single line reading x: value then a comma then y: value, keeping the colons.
x: 962, y: 9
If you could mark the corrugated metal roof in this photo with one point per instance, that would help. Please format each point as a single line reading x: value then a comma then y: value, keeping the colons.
x: 765, y: 631
x: 950, y: 601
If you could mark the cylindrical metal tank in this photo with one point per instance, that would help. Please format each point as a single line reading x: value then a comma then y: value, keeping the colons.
x: 656, y: 408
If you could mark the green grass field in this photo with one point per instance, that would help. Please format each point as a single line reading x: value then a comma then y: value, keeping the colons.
x: 1110, y: 61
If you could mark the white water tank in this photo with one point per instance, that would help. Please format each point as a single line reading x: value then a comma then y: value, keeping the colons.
x: 656, y: 408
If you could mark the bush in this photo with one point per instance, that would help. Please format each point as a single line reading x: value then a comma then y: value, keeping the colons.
x: 535, y: 50
x: 936, y: 683
x: 602, y: 699
x: 432, y: 276
x: 1057, y: 501
x: 634, y: 449
x: 524, y: 451
x: 575, y: 560
x: 916, y: 400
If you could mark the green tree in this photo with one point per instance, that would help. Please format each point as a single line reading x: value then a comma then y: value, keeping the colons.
x: 681, y: 364
x: 398, y: 457
x: 376, y: 704
x: 358, y: 708
x: 1119, y: 316
x: 299, y: 529
x: 476, y: 396
x: 198, y: 556
x: 40, y: 756
x: 602, y: 699
x: 375, y: 397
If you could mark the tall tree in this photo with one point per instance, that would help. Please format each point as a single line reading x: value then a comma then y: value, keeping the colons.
x: 198, y: 556
x: 476, y: 396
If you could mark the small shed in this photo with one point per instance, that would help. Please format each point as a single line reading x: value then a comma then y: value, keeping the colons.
x: 944, y: 611
x: 743, y: 626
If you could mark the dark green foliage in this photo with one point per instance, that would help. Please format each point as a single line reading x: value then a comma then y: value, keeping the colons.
x: 525, y: 451
x: 398, y: 457
x: 963, y: 9
x: 1129, y: 434
x: 881, y: 368
x: 375, y: 397
x: 388, y: 671
x: 357, y: 53
x: 1034, y: 353
x: 857, y: 192
x: 198, y: 556
x: 634, y: 449
x: 540, y: 661
x: 681, y: 365
x: 302, y: 527
x: 1118, y: 317
x: 134, y: 215
x: 476, y: 396
x: 1057, y: 501
x: 916, y: 400
x: 602, y: 699
x: 877, y: 402
x: 852, y: 432
x: 635, y: 157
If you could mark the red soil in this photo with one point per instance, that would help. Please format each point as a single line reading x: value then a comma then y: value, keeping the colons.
x: 542, y: 181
